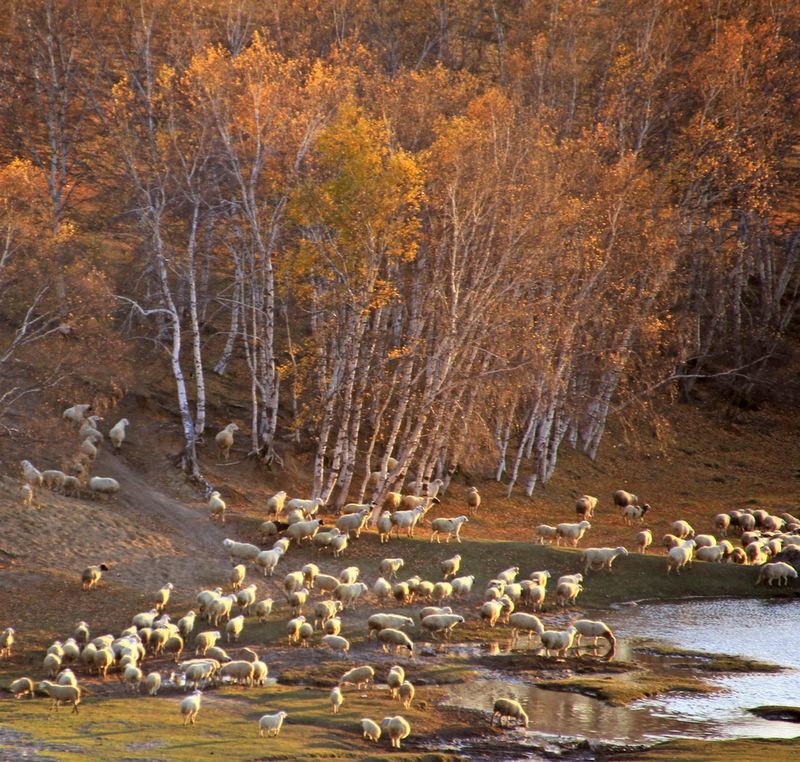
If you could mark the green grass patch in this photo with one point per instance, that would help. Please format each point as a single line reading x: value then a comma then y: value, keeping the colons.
x: 737, y: 750
x: 706, y: 662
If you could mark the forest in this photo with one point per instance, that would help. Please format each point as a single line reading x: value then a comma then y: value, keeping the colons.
x: 462, y: 233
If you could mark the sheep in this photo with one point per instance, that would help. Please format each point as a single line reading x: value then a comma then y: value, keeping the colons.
x: 336, y: 643
x: 263, y: 609
x: 389, y: 567
x: 275, y: 503
x: 237, y: 575
x: 757, y: 553
x: 71, y: 650
x: 670, y: 541
x: 76, y: 413
x: 361, y: 677
x: 380, y: 621
x: 205, y: 640
x: 533, y: 594
x: 293, y: 581
x: 293, y: 628
x: 240, y: 671
x: 384, y: 526
x: 26, y: 495
x: 747, y: 522
x: 411, y: 502
x: 88, y: 449
x: 462, y: 585
x: 327, y: 583
x: 323, y: 539
x: 199, y: 672
x: 297, y: 600
x: 61, y: 694
x: 680, y: 556
x: 91, y: 575
x: 389, y: 636
x: 53, y: 479
x: 216, y: 507
x: 572, y: 532
x: 117, y: 434
x: 442, y: 623
x: 529, y: 623
x: 310, y: 572
x: 397, y: 728
x: 779, y: 570
x: 714, y: 553
x: 349, y: 594
x: 152, y: 683
x: 267, y: 560
x: 190, y: 706
x: 407, y: 520
x: 233, y: 629
x: 682, y: 529
x: 395, y: 678
x: 90, y: 427
x: 508, y: 708
x: 623, y: 499
x: 357, y: 508
x: 448, y: 527
x: 450, y: 566
x: 371, y: 731
x: 339, y: 545
x: 539, y: 577
x: 644, y: 540
x: 21, y: 687
x: 269, y: 529
x: 585, y: 507
x: 103, y: 485
x: 558, y: 640
x: 406, y: 694
x: 631, y: 513
x: 308, y: 507
x: 132, y: 677
x: 349, y: 575
x: 351, y: 524
x: 161, y: 598
x: 589, y: 628
x: 597, y: 559
x: 507, y: 576
x: 303, y: 530
x: 772, y: 524
x: 545, y: 534
x: 241, y: 551
x: 271, y: 724
x: 491, y: 611
x: 574, y: 578
x: 473, y: 500
x: 72, y: 486
x: 224, y: 440
x: 567, y: 592
x: 721, y: 523
x: 332, y: 626
x: 103, y: 659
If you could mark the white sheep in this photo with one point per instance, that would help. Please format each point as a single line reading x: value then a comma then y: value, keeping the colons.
x: 682, y: 529
x: 448, y: 527
x: 237, y: 575
x: 53, y: 479
x: 442, y: 622
x: 339, y: 545
x: 509, y: 708
x: 325, y: 610
x: 384, y: 526
x: 397, y: 638
x: 88, y: 449
x: 721, y: 523
x: 275, y: 503
x: 205, y: 640
x: 597, y: 559
x: 644, y: 540
x: 216, y: 507
x: 520, y: 621
x: 389, y: 567
x: 371, y: 731
x: 103, y: 485
x: 161, y: 597
x: 61, y: 694
x: 303, y: 530
x: 190, y: 706
x: 585, y: 507
x: 594, y: 629
x: 680, y: 556
x: 361, y: 677
x: 241, y: 551
x: 76, y: 413
x: 777, y: 570
x: 539, y: 577
x: 152, y: 683
x: 462, y: 586
x: 473, y: 500
x: 704, y: 541
x: 20, y: 687
x: 26, y: 495
x: 349, y: 575
x: 352, y: 524
x: 450, y: 566
x: 394, y: 679
x: 571, y: 532
x: 308, y: 507
x: 545, y: 534
x: 224, y: 440
x: 336, y: 643
x: 558, y: 640
x: 336, y: 698
x: 132, y: 677
x: 533, y: 594
x: 397, y: 728
x: 622, y: 499
x: 407, y: 520
x: 117, y: 434
x: 267, y: 560
x: 349, y: 594
x: 406, y: 694
x: 30, y: 474
x: 567, y: 592
x: 381, y: 620
x: 91, y: 575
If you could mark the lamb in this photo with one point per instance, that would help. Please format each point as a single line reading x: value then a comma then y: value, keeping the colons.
x: 303, y: 530
x: 336, y: 643
x: 224, y: 440
x: 349, y: 594
x: 384, y: 526
x: 721, y: 523
x: 623, y: 499
x: 241, y: 551
x: 680, y: 556
x: 448, y: 527
x: 571, y: 532
x: 361, y: 677
x: 21, y: 687
x: 442, y: 623
x: 778, y: 570
x: 390, y: 566
x: 117, y: 434
x: 558, y: 641
x: 371, y: 731
x: 91, y: 575
x: 589, y: 628
x: 275, y: 503
x: 545, y: 534
x: 389, y: 636
x: 152, y: 683
x: 380, y: 621
x: 682, y: 529
x: 190, y: 706
x: 103, y: 485
x: 267, y: 560
x: 406, y: 694
x: 30, y: 474
x: 216, y: 507
x: 308, y: 507
x: 76, y: 413
x: 585, y: 507
x: 473, y: 500
x: 451, y: 566
x: 529, y: 623
x: 397, y: 728
x: 644, y: 540
x: 61, y: 694
x: 508, y: 708
x: 26, y: 495
x: 567, y: 592
x: 271, y: 724
x: 631, y: 513
x: 53, y: 479
x: 407, y: 520
x: 597, y: 559
x: 161, y: 598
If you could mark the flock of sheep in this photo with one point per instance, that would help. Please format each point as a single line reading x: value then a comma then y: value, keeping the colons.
x: 319, y: 603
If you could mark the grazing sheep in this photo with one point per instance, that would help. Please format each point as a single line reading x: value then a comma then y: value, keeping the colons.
x: 594, y: 629
x: 76, y: 414
x: 440, y: 623
x: 190, y: 706
x: 53, y: 479
x: 132, y: 677
x: 216, y: 507
x: 396, y: 638
x: 117, y: 434
x: 704, y: 541
x: 380, y: 621
x: 152, y: 683
x: 520, y: 621
x: 361, y: 677
x: 61, y: 694
x: 72, y: 486
x: 310, y: 572
x: 450, y: 566
x: 233, y: 629
x: 339, y: 545
x: 241, y: 672
x: 558, y: 640
x: 22, y: 686
x: 680, y: 556
x: 336, y: 698
x: 271, y: 724
x: 205, y: 640
x: 352, y: 524
x: 371, y: 731
x: 90, y: 429
x: 305, y: 633
x: 357, y: 508
x: 597, y: 559
x: 332, y: 626
x: 448, y: 527
x: 91, y: 575
x: 325, y: 610
x: 571, y: 532
x: 714, y: 553
x: 631, y: 513
x: 336, y: 643
x: 670, y: 541
x: 508, y: 708
x: 533, y: 594
x: 473, y: 500
x: 297, y: 600
x: 623, y: 499
x: 390, y: 566
x: 644, y: 540
x: 406, y: 694
x: 682, y: 529
x: 397, y: 728
x: 490, y: 612
x: 585, y: 507
x: 778, y: 570
x: 293, y: 628
x: 349, y: 575
x: 224, y: 440
x: 103, y: 485
x: 88, y: 449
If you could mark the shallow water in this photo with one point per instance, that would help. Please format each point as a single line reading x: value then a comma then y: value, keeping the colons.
x: 766, y: 631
